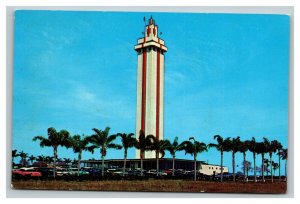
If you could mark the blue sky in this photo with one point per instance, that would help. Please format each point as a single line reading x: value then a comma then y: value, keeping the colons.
x: 225, y: 74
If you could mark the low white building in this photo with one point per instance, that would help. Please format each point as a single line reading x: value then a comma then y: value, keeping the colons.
x: 211, y: 169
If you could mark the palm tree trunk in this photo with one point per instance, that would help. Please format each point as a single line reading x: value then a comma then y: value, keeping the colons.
x: 221, y: 166
x: 279, y: 168
x: 271, y: 168
x: 233, y: 165
x: 263, y: 166
x: 141, y: 166
x: 244, y: 169
x: 173, y: 166
x: 157, y: 163
x: 78, y: 164
x: 285, y: 168
x: 141, y: 156
x: 125, y: 157
x: 254, y: 159
x: 54, y: 161
x: 267, y: 167
x: 195, y: 167
x: 102, y: 171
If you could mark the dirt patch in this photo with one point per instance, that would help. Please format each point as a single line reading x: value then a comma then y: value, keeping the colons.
x: 156, y: 186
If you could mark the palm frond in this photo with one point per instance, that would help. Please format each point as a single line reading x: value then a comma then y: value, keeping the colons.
x: 38, y: 138
x: 91, y: 148
x: 114, y: 146
x: 211, y: 145
x: 110, y: 138
x: 97, y: 131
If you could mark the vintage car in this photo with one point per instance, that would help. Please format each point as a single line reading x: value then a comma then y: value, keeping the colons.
x: 74, y: 172
x: 26, y: 172
x: 153, y: 173
x: 61, y: 172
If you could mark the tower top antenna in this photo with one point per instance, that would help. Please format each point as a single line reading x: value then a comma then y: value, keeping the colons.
x: 151, y: 21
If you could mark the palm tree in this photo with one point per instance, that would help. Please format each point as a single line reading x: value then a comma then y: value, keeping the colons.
x: 284, y: 156
x: 277, y: 148
x: 258, y: 169
x: 253, y: 148
x: 247, y: 167
x: 50, y: 159
x: 59, y: 159
x: 40, y: 158
x: 272, y: 147
x: 243, y: 148
x: 54, y: 140
x: 262, y: 149
x: 14, y: 154
x: 128, y: 141
x: 194, y: 148
x: 143, y: 144
x: 101, y: 139
x: 74, y: 162
x: 266, y: 166
x: 31, y: 159
x: 23, y: 156
x: 67, y: 161
x: 173, y: 148
x: 279, y: 153
x: 40, y: 161
x: 222, y: 145
x: 275, y: 166
x: 159, y: 146
x: 234, y: 145
x: 78, y: 145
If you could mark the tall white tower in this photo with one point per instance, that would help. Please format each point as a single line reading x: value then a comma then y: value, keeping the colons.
x: 150, y: 85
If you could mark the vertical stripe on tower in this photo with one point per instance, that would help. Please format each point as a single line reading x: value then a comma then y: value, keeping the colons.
x: 144, y: 90
x: 143, y: 111
x: 157, y: 92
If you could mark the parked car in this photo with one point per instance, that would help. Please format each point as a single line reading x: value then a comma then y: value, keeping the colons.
x: 180, y: 172
x: 46, y: 172
x: 115, y: 172
x: 169, y: 171
x: 94, y: 172
x: 153, y: 172
x: 60, y: 172
x: 135, y: 172
x: 26, y: 173
x: 74, y: 172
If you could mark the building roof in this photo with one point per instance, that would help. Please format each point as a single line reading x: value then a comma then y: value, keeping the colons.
x: 150, y: 159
